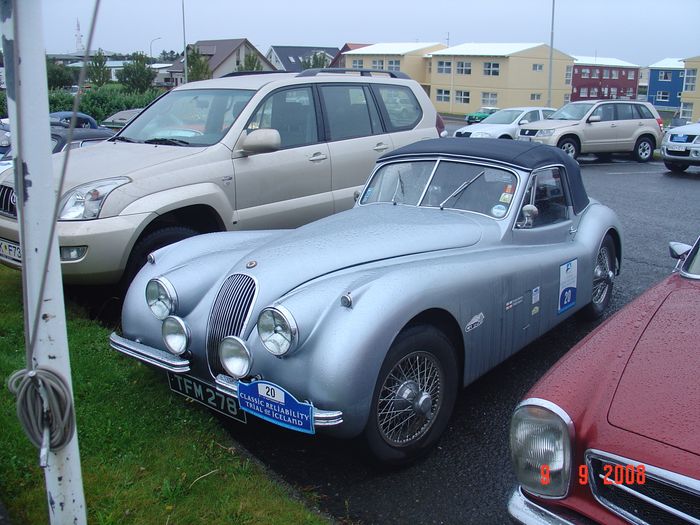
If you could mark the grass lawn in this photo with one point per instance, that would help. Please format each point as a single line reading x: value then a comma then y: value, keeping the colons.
x: 147, y: 456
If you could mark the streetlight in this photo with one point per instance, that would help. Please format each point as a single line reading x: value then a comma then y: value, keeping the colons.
x: 150, y: 47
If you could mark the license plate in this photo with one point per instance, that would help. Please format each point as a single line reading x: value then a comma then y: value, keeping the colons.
x: 207, y: 395
x: 273, y: 403
x: 10, y: 251
x: 522, y: 137
x: 675, y: 147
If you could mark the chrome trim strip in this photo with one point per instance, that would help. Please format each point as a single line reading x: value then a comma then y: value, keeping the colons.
x: 524, y: 510
x: 678, y: 481
x: 322, y: 418
x: 149, y: 355
x: 561, y: 413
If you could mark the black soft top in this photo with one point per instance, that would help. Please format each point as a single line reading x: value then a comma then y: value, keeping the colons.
x: 525, y: 155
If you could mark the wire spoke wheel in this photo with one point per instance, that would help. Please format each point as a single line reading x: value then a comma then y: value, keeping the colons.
x: 410, y: 398
x: 602, y: 276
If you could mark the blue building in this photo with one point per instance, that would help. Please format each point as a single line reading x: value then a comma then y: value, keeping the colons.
x: 666, y: 84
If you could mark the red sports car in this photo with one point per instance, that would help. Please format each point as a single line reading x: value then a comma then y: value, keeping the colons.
x: 611, y: 434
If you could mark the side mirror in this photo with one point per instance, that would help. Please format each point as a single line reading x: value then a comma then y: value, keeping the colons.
x: 260, y: 141
x: 679, y: 250
x: 523, y: 122
x: 594, y: 118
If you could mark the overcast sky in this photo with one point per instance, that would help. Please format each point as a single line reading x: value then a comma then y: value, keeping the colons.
x: 638, y: 31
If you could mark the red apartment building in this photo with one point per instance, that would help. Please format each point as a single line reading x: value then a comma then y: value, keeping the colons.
x: 603, y: 78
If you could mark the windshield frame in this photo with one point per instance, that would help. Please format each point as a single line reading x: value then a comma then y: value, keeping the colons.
x: 692, y: 258
x: 437, y: 160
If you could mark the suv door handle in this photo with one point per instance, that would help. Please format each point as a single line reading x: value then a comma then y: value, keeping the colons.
x: 381, y: 147
x: 317, y: 156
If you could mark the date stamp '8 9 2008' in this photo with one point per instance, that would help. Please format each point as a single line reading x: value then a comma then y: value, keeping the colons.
x: 611, y: 475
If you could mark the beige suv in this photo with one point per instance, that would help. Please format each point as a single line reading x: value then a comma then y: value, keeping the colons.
x: 601, y: 127
x: 250, y: 151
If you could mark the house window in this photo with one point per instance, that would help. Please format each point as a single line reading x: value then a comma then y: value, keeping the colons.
x: 535, y: 96
x: 464, y: 68
x: 462, y: 97
x: 443, y: 95
x: 630, y: 92
x: 491, y: 69
x: 630, y: 74
x: 585, y: 73
x: 615, y: 74
x: 583, y: 92
x: 378, y: 64
x: 444, y: 67
x: 394, y: 65
x: 567, y: 75
x: 662, y: 96
x: 594, y: 92
x: 537, y: 67
x: 489, y: 99
x: 595, y: 73
x: 605, y: 91
x: 567, y: 98
x: 606, y: 73
x: 687, y: 110
x: 613, y: 92
x: 358, y: 63
x: 691, y: 76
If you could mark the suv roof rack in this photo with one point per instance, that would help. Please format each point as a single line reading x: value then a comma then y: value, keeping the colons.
x: 245, y: 73
x: 362, y: 72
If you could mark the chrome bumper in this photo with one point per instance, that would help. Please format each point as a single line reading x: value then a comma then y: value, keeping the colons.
x: 524, y: 510
x: 224, y: 384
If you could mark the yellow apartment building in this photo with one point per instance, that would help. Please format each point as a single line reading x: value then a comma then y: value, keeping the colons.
x: 465, y: 77
x: 408, y: 57
x: 690, y: 97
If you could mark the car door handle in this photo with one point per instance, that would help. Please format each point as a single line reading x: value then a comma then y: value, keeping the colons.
x: 572, y: 230
x: 317, y: 156
x: 381, y: 147
x: 613, y: 125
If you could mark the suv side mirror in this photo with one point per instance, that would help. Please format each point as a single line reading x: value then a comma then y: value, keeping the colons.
x: 260, y: 141
x: 594, y: 118
x: 523, y: 122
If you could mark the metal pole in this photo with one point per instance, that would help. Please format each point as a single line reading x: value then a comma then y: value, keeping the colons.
x: 35, y: 187
x: 150, y: 47
x: 551, y: 53
x: 184, y: 38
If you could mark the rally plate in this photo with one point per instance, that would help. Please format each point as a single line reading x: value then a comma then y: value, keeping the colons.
x: 273, y: 403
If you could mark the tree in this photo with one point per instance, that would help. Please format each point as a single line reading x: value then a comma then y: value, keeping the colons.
x: 318, y: 60
x: 97, y: 72
x: 251, y: 63
x: 197, y: 66
x: 137, y: 76
x: 58, y: 76
x: 168, y: 56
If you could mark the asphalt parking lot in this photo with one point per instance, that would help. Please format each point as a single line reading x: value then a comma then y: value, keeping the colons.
x: 468, y: 479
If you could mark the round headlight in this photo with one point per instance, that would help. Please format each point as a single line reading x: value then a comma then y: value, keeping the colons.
x: 541, y: 436
x: 277, y: 330
x: 235, y: 357
x: 161, y: 297
x: 176, y: 335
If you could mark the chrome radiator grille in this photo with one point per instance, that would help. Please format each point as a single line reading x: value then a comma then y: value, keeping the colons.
x: 8, y: 202
x: 229, y: 314
x: 665, y: 497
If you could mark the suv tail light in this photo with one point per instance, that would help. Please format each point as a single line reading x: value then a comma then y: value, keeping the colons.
x: 661, y: 123
x: 440, y: 125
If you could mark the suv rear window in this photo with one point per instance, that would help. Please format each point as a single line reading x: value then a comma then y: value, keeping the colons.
x: 401, y: 108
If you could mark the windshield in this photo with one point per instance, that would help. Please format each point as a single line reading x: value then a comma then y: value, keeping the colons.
x: 195, y: 117
x: 505, y: 116
x: 443, y: 184
x: 692, y: 263
x: 570, y: 112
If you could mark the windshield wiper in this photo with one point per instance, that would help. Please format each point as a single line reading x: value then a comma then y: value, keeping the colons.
x: 167, y: 141
x: 122, y: 138
x: 461, y: 188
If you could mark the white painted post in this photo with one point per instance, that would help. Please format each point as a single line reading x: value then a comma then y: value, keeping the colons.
x: 35, y: 186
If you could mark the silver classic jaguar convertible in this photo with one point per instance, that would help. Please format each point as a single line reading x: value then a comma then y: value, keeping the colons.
x: 458, y: 253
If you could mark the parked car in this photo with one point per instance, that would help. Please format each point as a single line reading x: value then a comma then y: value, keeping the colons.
x: 681, y: 147
x: 252, y: 151
x: 59, y: 141
x: 5, y: 142
x: 480, y: 114
x: 458, y: 253
x: 81, y: 119
x: 121, y: 118
x: 504, y: 123
x: 601, y: 127
x: 610, y: 434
